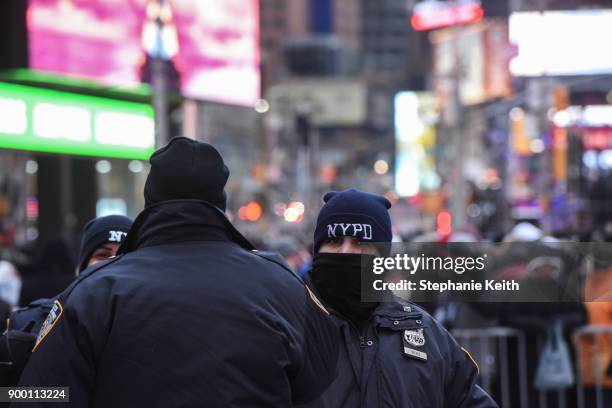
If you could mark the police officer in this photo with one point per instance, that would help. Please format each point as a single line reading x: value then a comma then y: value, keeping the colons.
x: 189, y: 314
x: 392, y: 354
x: 100, y: 241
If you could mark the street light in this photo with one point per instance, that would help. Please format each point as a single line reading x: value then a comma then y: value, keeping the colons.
x: 160, y: 42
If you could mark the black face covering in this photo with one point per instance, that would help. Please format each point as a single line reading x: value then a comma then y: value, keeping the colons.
x: 337, y: 278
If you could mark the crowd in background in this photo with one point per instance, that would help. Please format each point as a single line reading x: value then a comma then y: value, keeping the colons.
x: 55, y: 269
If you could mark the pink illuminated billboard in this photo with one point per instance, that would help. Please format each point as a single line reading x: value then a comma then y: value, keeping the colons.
x: 211, y: 45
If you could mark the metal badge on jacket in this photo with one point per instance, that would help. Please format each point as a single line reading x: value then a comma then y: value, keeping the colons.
x: 414, y: 338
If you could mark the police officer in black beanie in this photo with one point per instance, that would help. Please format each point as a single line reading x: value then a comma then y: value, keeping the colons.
x: 100, y: 241
x: 189, y: 314
x: 392, y: 354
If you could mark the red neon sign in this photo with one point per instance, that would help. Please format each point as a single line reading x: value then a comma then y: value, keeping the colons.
x: 597, y: 138
x: 431, y: 15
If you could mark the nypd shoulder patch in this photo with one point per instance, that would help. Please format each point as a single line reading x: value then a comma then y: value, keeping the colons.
x: 50, y: 321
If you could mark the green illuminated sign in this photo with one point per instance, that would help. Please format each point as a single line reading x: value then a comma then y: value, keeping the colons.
x: 43, y: 120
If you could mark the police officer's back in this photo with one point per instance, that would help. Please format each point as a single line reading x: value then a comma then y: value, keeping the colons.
x: 188, y: 316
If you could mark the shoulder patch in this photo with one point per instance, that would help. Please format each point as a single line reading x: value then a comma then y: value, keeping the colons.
x: 49, y: 323
x: 467, y: 353
x: 316, y: 300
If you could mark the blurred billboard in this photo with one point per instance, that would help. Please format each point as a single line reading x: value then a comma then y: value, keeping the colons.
x: 331, y: 102
x: 44, y: 120
x: 561, y: 42
x: 477, y: 55
x: 212, y: 46
x: 429, y: 15
x: 415, y: 139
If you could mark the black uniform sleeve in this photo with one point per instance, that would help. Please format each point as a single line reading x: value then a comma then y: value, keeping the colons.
x: 319, y: 354
x: 461, y: 389
x: 65, y: 355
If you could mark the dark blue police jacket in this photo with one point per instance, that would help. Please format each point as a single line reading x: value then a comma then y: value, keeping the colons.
x: 403, y: 358
x: 187, y: 316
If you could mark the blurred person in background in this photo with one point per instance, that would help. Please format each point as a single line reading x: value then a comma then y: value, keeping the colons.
x: 297, y: 257
x: 188, y: 313
x: 51, y: 273
x: 457, y: 314
x: 393, y: 353
x: 10, y: 289
x: 10, y: 284
x: 547, y: 267
x: 100, y: 241
x: 596, y: 351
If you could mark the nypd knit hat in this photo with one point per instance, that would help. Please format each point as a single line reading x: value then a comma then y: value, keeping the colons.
x: 99, y: 231
x: 353, y: 213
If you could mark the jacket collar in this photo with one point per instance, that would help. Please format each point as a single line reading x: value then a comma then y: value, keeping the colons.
x: 396, y: 307
x: 181, y: 221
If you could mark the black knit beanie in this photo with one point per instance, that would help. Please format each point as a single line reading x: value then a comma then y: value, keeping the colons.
x: 353, y: 213
x: 99, y: 231
x: 187, y: 169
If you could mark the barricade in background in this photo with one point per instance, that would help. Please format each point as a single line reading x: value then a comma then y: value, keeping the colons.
x: 490, y: 348
x: 505, y: 371
x: 593, y: 345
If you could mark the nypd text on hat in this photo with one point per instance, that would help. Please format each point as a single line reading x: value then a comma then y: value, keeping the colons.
x: 116, y: 236
x: 364, y: 231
